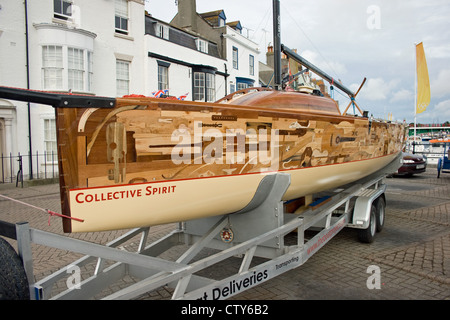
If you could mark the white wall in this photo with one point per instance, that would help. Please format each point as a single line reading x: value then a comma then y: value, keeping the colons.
x: 245, y: 48
x: 13, y: 73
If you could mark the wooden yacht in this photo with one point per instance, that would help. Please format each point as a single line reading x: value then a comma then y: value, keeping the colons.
x: 136, y: 161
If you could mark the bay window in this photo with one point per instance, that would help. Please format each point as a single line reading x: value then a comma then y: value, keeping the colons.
x: 52, y: 67
x: 76, y: 69
x: 199, y: 86
x: 210, y: 87
x: 67, y: 68
x: 204, y: 86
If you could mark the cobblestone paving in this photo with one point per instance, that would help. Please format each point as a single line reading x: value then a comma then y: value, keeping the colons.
x: 412, y: 251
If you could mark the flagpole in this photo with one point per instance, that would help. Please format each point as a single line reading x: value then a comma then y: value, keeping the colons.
x: 415, y: 99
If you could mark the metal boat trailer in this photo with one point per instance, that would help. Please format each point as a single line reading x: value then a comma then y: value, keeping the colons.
x: 257, y: 231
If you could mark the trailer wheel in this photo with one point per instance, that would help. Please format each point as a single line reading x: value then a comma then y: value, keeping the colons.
x: 381, y: 213
x: 368, y: 235
x: 13, y: 279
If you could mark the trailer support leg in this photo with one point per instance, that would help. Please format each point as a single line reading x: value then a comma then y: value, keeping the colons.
x: 24, y: 250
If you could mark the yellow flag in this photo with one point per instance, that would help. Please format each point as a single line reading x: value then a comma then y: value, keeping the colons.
x: 423, y: 82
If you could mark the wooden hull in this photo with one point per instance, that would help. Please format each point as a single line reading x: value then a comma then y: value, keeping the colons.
x: 154, y: 161
x: 146, y: 204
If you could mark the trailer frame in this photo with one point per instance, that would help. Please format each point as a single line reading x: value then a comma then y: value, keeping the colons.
x: 355, y: 205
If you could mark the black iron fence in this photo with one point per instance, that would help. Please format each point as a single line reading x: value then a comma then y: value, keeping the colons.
x: 16, y: 168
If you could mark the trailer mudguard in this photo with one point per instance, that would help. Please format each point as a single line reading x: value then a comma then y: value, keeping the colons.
x: 363, y: 204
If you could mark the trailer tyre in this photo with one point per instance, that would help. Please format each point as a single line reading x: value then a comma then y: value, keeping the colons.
x: 13, y: 279
x: 381, y: 213
x: 368, y: 235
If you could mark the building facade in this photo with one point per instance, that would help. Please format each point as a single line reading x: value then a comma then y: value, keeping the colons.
x: 106, y: 48
x: 79, y: 46
x: 187, y: 66
x: 239, y: 52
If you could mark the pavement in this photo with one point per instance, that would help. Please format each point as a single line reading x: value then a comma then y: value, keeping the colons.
x: 409, y: 259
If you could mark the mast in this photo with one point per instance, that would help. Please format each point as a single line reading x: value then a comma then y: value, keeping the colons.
x: 278, y: 48
x: 277, y: 44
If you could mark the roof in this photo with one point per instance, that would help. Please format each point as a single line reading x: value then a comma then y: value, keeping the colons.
x: 216, y: 13
x: 235, y: 25
x: 212, y: 17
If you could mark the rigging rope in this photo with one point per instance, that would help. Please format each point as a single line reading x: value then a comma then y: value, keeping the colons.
x: 50, y: 212
x: 288, y: 12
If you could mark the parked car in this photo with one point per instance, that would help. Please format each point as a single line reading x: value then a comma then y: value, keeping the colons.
x: 412, y: 164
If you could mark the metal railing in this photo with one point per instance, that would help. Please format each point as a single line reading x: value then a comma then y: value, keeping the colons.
x: 16, y: 168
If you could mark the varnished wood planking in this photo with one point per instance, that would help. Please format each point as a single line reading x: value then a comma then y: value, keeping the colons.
x: 306, y: 139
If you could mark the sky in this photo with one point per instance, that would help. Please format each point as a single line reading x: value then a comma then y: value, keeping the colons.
x: 352, y: 40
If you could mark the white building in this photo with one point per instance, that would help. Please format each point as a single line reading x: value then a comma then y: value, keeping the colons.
x: 185, y: 64
x: 83, y: 46
x: 106, y: 48
x: 238, y: 51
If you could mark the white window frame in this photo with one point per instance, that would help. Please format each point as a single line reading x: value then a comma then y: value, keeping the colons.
x: 162, y: 31
x: 163, y: 77
x: 210, y: 86
x: 202, y: 45
x: 66, y: 5
x: 122, y: 77
x: 232, y: 88
x: 241, y: 86
x: 76, y: 69
x: 251, y: 63
x: 52, y: 67
x: 204, y: 86
x: 61, y: 72
x: 199, y: 86
x: 90, y: 71
x: 235, y: 58
x: 121, y: 16
x: 50, y: 142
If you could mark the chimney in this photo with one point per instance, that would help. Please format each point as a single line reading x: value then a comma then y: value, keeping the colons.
x: 187, y: 14
x: 269, y: 56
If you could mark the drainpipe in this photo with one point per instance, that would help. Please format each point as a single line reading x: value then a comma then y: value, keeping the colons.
x: 226, y: 78
x: 28, y: 87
